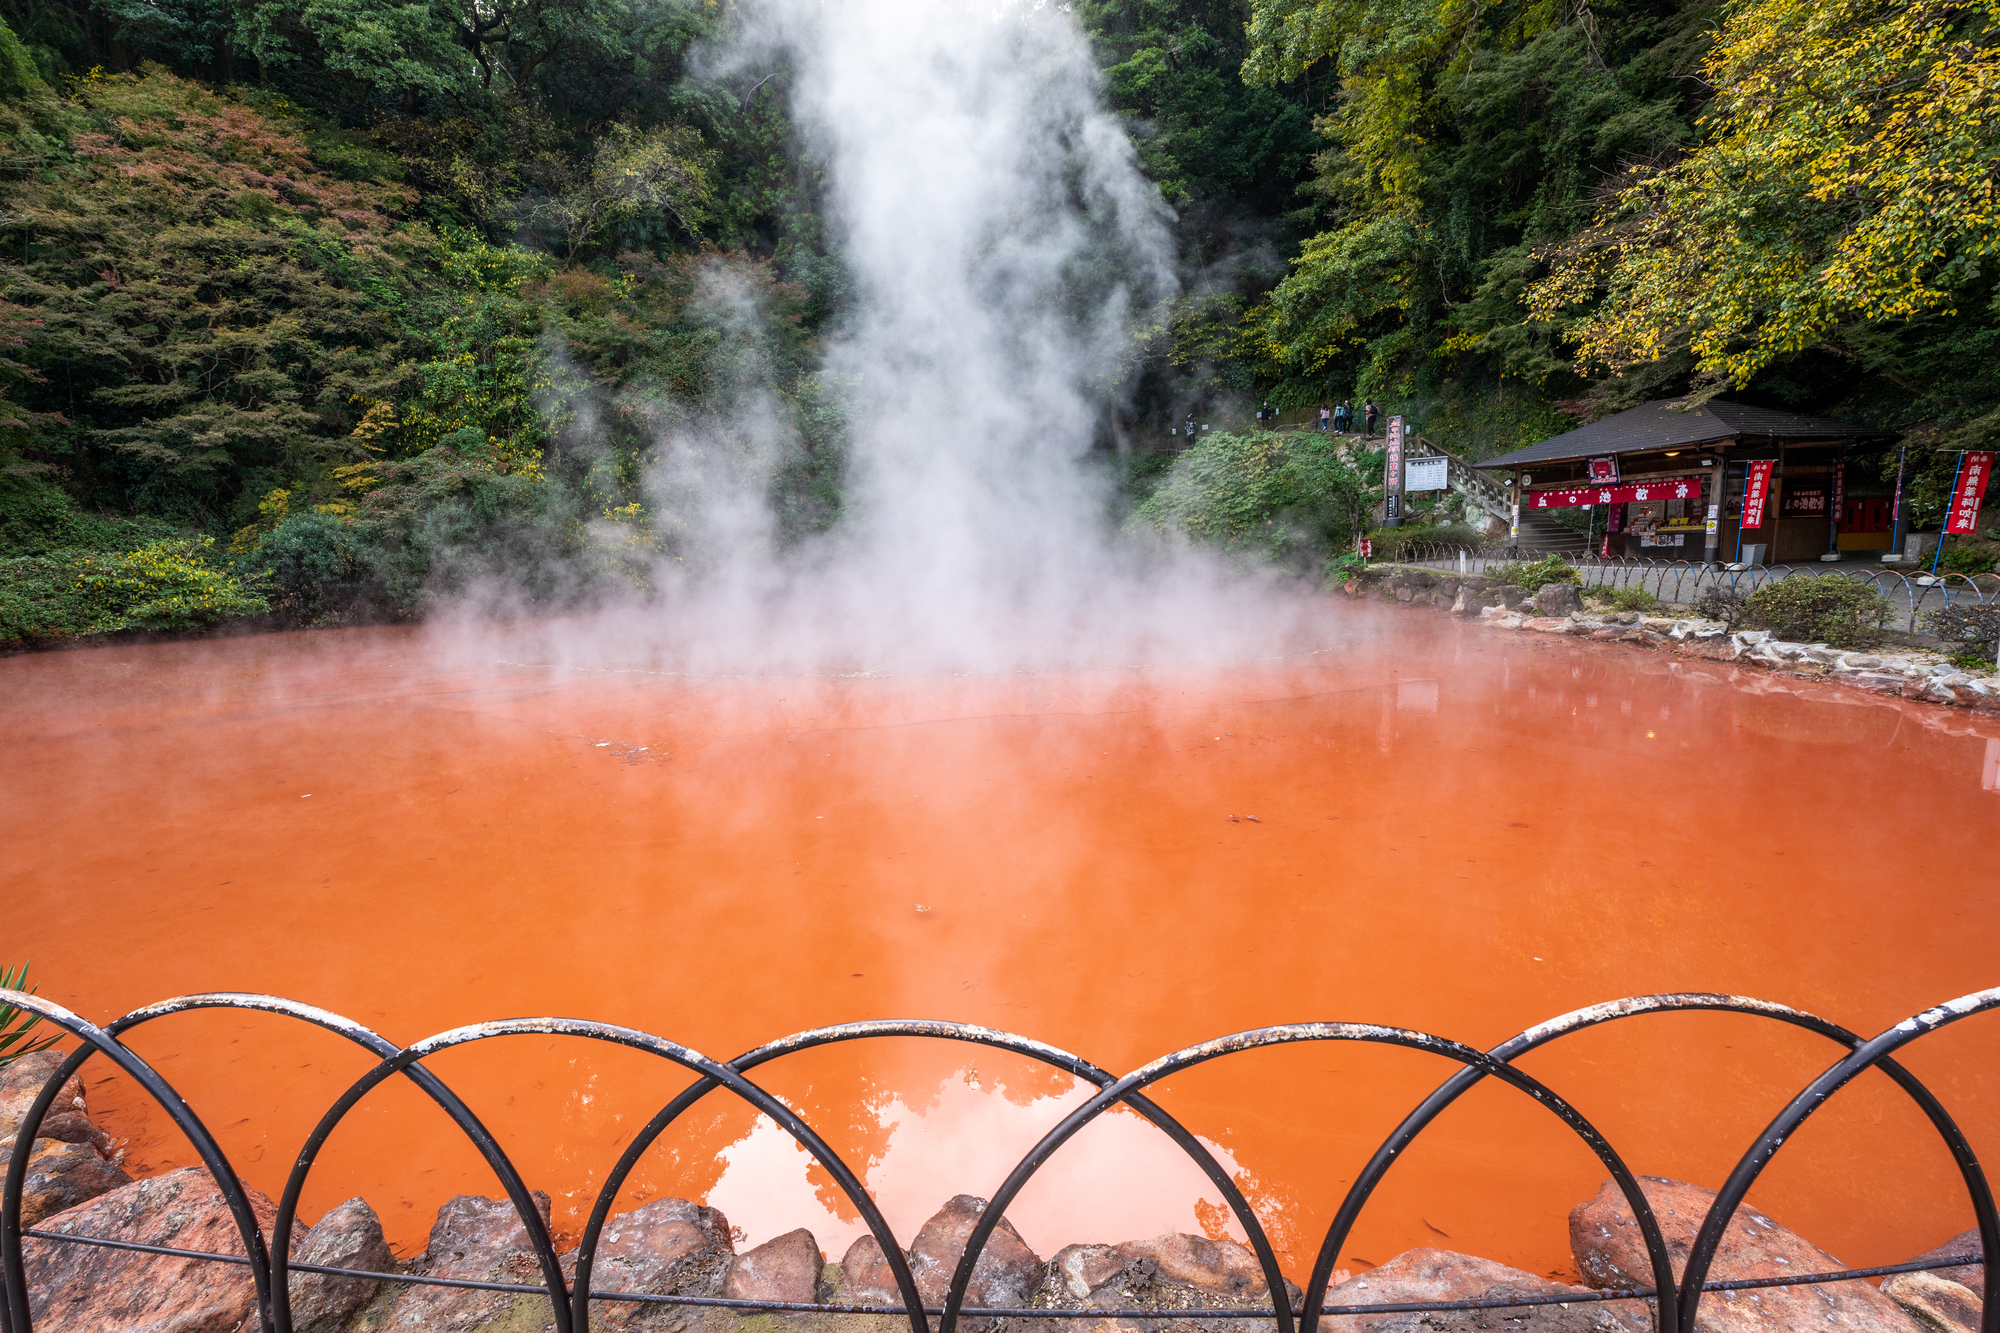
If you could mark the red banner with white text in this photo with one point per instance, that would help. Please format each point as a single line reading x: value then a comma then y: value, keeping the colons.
x: 1756, y: 490
x: 1971, y: 490
x: 1631, y: 492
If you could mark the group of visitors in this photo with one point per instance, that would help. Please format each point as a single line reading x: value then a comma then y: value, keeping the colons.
x: 1341, y: 417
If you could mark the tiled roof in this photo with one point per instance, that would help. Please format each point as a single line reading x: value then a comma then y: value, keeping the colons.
x: 1663, y: 425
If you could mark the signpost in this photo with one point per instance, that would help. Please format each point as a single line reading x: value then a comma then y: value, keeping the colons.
x: 1392, y: 504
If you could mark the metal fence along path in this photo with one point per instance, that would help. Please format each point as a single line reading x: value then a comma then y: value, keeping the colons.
x: 1682, y: 582
x: 1675, y: 1303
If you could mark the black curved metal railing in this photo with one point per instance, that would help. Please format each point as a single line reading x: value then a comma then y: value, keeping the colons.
x: 1675, y: 1301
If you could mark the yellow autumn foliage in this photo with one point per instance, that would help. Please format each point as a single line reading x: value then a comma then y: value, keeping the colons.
x: 1847, y: 176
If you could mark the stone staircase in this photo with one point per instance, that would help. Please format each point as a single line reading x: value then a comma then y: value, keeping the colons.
x: 1483, y: 494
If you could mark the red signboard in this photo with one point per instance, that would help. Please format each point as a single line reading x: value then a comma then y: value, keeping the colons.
x: 1970, y: 491
x: 1674, y: 488
x: 1756, y: 490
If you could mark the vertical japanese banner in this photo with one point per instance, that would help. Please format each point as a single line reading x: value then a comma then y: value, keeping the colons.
x: 1833, y: 504
x: 1392, y: 480
x: 1969, y: 494
x: 1896, y: 505
x: 1756, y: 491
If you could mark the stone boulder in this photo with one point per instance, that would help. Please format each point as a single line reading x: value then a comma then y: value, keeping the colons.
x: 68, y: 1120
x: 1473, y: 599
x: 1604, y: 1238
x: 21, y: 1082
x: 783, y: 1269
x: 74, y: 1127
x: 1440, y: 1275
x: 1938, y: 1304
x: 1946, y: 1300
x: 1555, y: 600
x: 63, y: 1175
x: 88, y: 1289
x: 1081, y: 1271
x: 478, y: 1240
x: 1219, y: 1267
x: 669, y: 1247
x: 865, y: 1278
x: 1007, y: 1274
x: 1165, y: 1273
x: 1972, y: 1275
x: 348, y: 1236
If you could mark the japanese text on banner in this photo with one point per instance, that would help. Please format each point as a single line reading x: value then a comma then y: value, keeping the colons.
x: 1674, y: 488
x: 1756, y: 490
x: 1971, y: 491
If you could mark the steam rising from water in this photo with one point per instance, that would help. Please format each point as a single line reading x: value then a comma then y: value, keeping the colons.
x: 1002, y: 243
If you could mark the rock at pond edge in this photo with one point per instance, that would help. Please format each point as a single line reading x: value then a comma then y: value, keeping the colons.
x: 1609, y: 1252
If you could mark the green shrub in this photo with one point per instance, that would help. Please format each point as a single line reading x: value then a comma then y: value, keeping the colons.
x: 314, y: 567
x: 1809, y: 609
x: 1535, y: 573
x: 1977, y: 627
x: 1343, y: 567
x: 167, y: 585
x: 1294, y: 500
x: 17, y: 68
x: 438, y: 524
x: 37, y: 517
x: 1724, y: 604
x: 1391, y: 543
x: 1961, y: 559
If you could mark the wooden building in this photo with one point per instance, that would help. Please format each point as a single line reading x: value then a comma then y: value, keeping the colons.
x: 1673, y: 482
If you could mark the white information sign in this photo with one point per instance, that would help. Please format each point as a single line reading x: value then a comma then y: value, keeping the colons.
x: 1426, y: 474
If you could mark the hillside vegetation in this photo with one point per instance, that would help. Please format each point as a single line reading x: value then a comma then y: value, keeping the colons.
x: 329, y: 311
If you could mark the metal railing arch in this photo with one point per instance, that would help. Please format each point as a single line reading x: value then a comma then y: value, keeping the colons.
x: 1675, y: 1303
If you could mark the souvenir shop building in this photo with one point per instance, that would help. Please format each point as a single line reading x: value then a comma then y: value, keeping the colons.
x: 1704, y: 483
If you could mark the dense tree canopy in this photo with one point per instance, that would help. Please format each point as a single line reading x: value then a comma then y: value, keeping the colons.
x: 384, y: 294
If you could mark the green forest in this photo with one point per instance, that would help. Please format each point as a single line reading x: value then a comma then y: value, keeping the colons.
x: 322, y: 312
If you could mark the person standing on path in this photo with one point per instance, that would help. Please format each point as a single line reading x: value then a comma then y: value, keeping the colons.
x: 1324, y: 415
x: 1343, y: 417
x: 1373, y: 412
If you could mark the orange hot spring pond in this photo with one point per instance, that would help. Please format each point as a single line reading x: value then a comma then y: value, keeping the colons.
x: 1454, y: 831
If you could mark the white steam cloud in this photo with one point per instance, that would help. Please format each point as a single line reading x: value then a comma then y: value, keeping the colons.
x: 1002, y: 242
